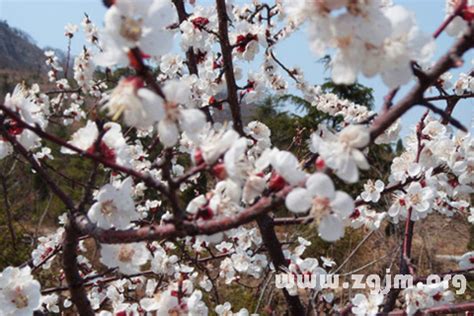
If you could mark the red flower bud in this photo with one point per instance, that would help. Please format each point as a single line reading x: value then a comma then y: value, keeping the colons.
x: 200, y: 22
x: 320, y: 164
x: 205, y: 213
x: 468, y: 13
x: 105, y: 151
x: 219, y: 171
x: 198, y: 159
x: 355, y: 214
x: 276, y: 182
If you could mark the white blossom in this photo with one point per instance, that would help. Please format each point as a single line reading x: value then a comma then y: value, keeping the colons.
x: 113, y: 146
x: 417, y: 198
x: 328, y: 206
x: 114, y: 206
x: 19, y: 292
x: 372, y: 191
x: 467, y: 260
x: 342, y: 152
x: 366, y: 306
x: 128, y: 258
x: 141, y: 24
x: 138, y: 105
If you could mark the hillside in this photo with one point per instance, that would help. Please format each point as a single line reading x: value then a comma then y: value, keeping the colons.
x: 21, y: 60
x: 18, y: 52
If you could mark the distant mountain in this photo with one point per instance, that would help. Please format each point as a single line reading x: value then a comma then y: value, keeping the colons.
x: 21, y: 60
x: 18, y: 51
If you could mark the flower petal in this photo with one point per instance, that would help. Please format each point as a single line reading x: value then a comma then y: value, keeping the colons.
x: 298, y: 201
x: 360, y: 159
x: 331, y: 228
x: 153, y: 104
x: 343, y: 204
x: 192, y: 121
x: 348, y: 171
x: 379, y: 185
x: 320, y: 184
x: 168, y: 132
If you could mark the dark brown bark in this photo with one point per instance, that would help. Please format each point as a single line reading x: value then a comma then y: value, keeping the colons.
x: 149, y: 181
x: 270, y: 240
x: 71, y: 271
x: 159, y: 232
x: 226, y: 50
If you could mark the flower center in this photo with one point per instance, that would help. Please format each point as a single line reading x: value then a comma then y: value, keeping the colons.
x: 172, y: 111
x: 416, y: 198
x: 346, y: 139
x: 370, y: 187
x: 20, y: 300
x: 344, y: 42
x: 173, y: 312
x: 126, y: 254
x: 256, y: 130
x: 131, y: 29
x: 321, y: 206
x: 108, y: 207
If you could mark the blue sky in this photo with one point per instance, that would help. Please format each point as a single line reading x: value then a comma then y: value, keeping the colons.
x: 44, y: 20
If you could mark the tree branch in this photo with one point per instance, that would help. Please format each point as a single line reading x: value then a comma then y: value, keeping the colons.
x: 449, y: 60
x: 405, y: 256
x: 168, y: 231
x: 270, y: 240
x: 457, y: 10
x: 439, y: 310
x: 148, y: 180
x: 71, y: 271
x: 226, y: 49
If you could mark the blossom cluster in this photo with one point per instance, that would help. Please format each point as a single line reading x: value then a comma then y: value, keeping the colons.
x: 163, y: 167
x: 370, y: 37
